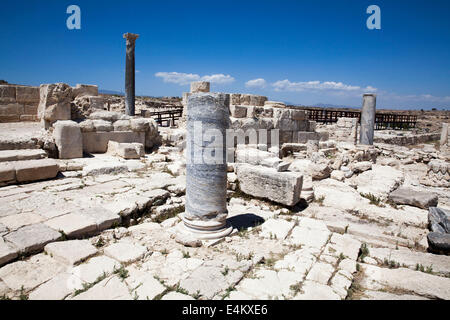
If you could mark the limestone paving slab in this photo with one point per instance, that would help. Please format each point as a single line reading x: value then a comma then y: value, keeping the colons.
x: 276, y: 229
x: 73, y: 225
x: 7, y: 252
x: 17, y: 221
x: 143, y: 285
x: 71, y: 252
x: 31, y: 273
x: 32, y: 238
x: 57, y: 288
x: 94, y: 268
x: 111, y: 288
x: 420, y: 283
x: 125, y: 252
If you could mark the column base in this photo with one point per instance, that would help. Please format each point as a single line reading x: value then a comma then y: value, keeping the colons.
x: 204, y: 230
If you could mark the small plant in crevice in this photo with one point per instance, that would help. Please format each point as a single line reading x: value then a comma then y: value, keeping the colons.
x: 363, y: 252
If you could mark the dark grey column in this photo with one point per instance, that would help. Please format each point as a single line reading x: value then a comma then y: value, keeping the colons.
x: 129, y: 73
x: 206, y: 166
x: 368, y: 119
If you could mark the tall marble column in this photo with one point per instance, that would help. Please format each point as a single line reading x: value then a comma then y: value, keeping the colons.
x: 129, y: 73
x: 368, y: 119
x: 206, y: 166
x: 444, y: 135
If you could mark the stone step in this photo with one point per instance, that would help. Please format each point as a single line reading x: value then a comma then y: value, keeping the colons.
x: 22, y: 154
x: 28, y: 171
x: 18, y: 143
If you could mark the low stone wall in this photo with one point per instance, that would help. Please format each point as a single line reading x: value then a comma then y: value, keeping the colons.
x: 97, y: 142
x: 21, y: 103
x: 407, y: 139
x: 107, y: 126
x: 18, y: 103
x: 292, y: 124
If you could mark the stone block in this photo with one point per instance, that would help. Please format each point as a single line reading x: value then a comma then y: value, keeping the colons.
x: 298, y: 114
x: 235, y: 99
x: 102, y: 125
x: 199, y: 86
x: 97, y: 142
x: 26, y: 117
x: 33, y: 170
x: 420, y: 199
x: 125, y: 252
x: 71, y: 252
x: 238, y: 111
x: 122, y: 125
x: 7, y: 173
x: 259, y: 181
x: 126, y: 150
x: 7, y: 94
x: 84, y: 90
x: 305, y: 136
x: 68, y: 139
x: 73, y: 225
x: 27, y: 95
x: 263, y: 112
x: 54, y: 103
x: 110, y: 116
x: 32, y: 238
x: 11, y: 109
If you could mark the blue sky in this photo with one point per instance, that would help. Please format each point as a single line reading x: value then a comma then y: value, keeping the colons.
x: 304, y: 52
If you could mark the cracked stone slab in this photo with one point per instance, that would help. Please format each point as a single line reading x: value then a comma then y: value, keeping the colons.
x: 315, y: 291
x: 276, y: 229
x: 7, y: 252
x: 14, y: 222
x: 268, y: 284
x: 209, y: 280
x: 71, y: 252
x: 73, y: 225
x: 143, y: 285
x: 420, y: 283
x: 111, y: 288
x: 125, y: 252
x: 32, y: 238
x: 31, y: 273
x: 321, y: 272
x: 439, y: 263
x: 94, y: 268
x: 307, y: 237
x: 57, y: 288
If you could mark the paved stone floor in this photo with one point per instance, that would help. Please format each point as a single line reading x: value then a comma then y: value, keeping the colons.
x: 105, y: 230
x: 66, y: 239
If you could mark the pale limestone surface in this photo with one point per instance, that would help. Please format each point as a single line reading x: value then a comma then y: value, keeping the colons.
x: 314, y: 254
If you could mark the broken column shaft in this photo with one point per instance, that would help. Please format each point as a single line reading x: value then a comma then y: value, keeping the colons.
x: 444, y: 135
x: 129, y: 73
x: 367, y: 119
x: 206, y: 167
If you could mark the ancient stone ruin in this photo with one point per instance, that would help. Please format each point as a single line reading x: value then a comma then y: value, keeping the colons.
x: 217, y: 196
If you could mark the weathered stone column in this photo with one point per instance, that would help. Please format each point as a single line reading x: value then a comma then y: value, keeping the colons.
x: 206, y: 166
x: 129, y: 73
x: 444, y: 135
x: 367, y: 119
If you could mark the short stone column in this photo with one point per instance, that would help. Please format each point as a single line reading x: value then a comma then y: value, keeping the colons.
x: 444, y: 135
x: 129, y: 73
x: 367, y: 119
x: 206, y: 166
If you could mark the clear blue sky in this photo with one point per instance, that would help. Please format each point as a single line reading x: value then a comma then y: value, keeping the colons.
x: 306, y: 52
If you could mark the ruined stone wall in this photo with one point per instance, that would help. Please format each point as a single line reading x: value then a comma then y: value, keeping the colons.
x: 18, y: 103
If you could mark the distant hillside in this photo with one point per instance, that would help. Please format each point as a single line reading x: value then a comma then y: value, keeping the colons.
x: 103, y: 91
